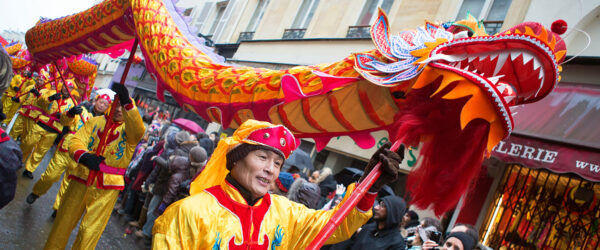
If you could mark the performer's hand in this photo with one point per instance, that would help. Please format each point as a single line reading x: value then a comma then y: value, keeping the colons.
x: 35, y: 92
x: 75, y: 111
x: 55, y: 97
x: 429, y: 244
x: 15, y: 99
x: 91, y: 161
x: 15, y: 88
x: 122, y: 93
x: 390, y: 165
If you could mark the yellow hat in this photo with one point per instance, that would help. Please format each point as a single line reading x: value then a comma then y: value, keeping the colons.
x: 276, y: 137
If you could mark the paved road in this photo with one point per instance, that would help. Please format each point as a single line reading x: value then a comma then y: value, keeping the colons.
x: 24, y: 226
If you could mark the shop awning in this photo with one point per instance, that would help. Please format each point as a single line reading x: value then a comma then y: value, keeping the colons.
x: 560, y: 132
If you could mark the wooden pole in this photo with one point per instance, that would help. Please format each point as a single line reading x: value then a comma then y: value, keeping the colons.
x: 109, y: 121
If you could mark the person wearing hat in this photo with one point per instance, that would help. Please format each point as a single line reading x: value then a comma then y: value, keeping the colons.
x: 57, y: 110
x: 97, y: 180
x: 28, y: 111
x: 454, y: 241
x: 230, y: 207
x: 61, y: 160
x: 99, y: 106
x: 282, y: 184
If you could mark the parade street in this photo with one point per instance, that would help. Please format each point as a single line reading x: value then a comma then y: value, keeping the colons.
x: 24, y: 226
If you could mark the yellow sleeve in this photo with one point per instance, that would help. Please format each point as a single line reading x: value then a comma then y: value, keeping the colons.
x: 306, y: 223
x: 43, y: 101
x: 67, y: 120
x: 180, y: 226
x: 134, y: 126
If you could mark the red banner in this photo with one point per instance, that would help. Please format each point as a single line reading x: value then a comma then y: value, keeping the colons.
x: 557, y: 158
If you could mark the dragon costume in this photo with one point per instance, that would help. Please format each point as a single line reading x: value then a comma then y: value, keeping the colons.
x: 446, y: 86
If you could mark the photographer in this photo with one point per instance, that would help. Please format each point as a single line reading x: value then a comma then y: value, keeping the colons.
x: 423, y: 234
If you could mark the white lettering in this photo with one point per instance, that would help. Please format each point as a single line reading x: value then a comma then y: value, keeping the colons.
x: 514, y: 149
x: 550, y: 156
x: 499, y: 148
x: 529, y: 152
x: 537, y: 158
x: 594, y: 168
x: 581, y: 164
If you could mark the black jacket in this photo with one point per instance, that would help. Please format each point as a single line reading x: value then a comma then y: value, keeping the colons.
x: 10, y: 161
x: 389, y: 237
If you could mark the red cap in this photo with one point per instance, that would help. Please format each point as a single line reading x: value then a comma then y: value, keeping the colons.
x: 277, y: 137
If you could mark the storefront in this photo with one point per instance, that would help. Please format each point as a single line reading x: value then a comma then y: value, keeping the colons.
x: 547, y: 195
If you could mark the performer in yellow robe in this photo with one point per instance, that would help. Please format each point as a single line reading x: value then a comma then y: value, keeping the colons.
x: 232, y: 210
x: 9, y: 107
x: 28, y: 112
x: 96, y: 181
x: 61, y: 160
x: 50, y: 124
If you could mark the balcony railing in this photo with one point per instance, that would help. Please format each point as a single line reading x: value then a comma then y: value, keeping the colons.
x: 246, y: 36
x: 358, y: 32
x: 207, y: 40
x: 492, y: 27
x: 294, y: 33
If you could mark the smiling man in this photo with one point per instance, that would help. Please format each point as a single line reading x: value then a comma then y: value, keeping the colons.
x: 230, y: 207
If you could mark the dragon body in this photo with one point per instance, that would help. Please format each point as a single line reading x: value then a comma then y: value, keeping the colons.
x: 446, y: 86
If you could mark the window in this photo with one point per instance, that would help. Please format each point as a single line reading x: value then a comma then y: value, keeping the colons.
x: 258, y: 14
x: 254, y: 21
x: 305, y: 14
x: 492, y: 12
x: 220, y: 11
x: 369, y: 11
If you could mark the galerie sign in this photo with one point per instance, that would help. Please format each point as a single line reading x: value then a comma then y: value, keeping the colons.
x: 539, y: 154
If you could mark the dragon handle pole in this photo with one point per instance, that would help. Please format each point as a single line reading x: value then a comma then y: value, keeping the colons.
x: 356, y: 196
x: 109, y: 121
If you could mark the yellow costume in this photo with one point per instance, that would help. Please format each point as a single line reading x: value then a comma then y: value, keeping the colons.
x: 93, y: 193
x: 9, y: 106
x: 41, y: 137
x: 60, y: 162
x: 216, y: 216
x: 27, y: 114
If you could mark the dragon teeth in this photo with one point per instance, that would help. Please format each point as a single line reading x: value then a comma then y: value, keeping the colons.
x: 515, y: 54
x: 501, y: 60
x: 527, y: 57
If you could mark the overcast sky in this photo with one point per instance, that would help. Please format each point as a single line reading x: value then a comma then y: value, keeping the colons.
x: 20, y: 15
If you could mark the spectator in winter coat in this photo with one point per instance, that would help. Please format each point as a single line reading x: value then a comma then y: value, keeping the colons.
x: 10, y: 153
x: 305, y: 193
x: 383, y: 232
x: 282, y: 184
x: 162, y: 173
x: 180, y: 168
x: 206, y: 143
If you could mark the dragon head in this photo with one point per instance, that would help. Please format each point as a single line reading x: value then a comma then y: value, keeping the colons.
x: 458, y: 84
x: 518, y: 66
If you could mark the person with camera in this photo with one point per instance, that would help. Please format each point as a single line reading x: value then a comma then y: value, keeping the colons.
x: 425, y: 232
